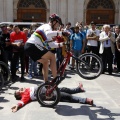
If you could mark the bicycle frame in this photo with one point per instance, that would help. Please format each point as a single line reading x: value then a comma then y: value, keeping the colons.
x: 56, y: 81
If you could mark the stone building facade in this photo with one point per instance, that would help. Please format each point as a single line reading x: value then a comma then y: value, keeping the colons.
x: 101, y: 11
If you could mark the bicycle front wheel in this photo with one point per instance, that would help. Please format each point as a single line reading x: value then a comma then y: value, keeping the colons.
x: 89, y: 66
x: 46, y: 98
x: 1, y: 81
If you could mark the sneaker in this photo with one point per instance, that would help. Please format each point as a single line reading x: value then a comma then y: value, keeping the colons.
x: 51, y: 76
x: 30, y: 76
x: 72, y: 68
x: 18, y: 72
x: 22, y: 79
x: 89, y: 101
x: 36, y: 75
x: 15, y: 78
x: 110, y: 73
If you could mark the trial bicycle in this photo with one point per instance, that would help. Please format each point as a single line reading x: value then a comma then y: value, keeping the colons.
x: 88, y: 65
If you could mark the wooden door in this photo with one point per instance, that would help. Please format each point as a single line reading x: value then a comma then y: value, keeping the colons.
x: 34, y: 15
x: 100, y: 16
x: 100, y: 11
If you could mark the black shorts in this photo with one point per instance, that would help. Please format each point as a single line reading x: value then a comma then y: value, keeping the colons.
x: 34, y: 52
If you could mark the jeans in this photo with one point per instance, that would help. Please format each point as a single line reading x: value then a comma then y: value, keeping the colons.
x: 67, y: 97
x: 15, y: 57
x: 59, y: 57
x: 76, y: 53
x: 32, y: 66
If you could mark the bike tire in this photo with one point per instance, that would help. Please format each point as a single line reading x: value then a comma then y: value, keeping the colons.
x: 1, y: 81
x: 5, y: 71
x: 86, y: 72
x: 41, y: 97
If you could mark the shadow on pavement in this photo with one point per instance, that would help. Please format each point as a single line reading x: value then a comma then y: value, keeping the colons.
x: 99, y: 113
x: 104, y: 112
x: 33, y: 81
x: 6, y: 87
x: 3, y: 100
x: 116, y: 75
x: 1, y: 108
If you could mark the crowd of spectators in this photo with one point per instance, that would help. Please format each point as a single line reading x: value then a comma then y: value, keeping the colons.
x: 104, y: 42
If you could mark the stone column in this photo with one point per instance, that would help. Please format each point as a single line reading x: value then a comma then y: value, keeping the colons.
x: 53, y: 6
x: 1, y: 10
x: 6, y: 10
x: 71, y: 14
x: 80, y: 10
x: 63, y: 11
x: 9, y: 10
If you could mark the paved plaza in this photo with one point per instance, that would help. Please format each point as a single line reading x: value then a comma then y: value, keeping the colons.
x: 105, y: 91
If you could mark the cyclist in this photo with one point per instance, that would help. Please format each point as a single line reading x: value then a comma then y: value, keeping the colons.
x: 26, y: 95
x: 41, y: 41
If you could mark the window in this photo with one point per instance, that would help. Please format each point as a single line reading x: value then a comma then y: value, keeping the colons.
x: 35, y: 3
x: 105, y: 4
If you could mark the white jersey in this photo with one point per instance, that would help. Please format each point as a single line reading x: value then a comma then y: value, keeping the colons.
x: 92, y: 42
x: 48, y: 33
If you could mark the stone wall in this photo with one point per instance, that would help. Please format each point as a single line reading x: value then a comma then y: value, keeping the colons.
x: 69, y: 10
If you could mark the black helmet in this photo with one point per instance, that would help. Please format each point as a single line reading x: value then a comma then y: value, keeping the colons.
x: 55, y: 17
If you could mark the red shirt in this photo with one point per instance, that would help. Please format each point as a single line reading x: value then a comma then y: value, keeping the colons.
x: 27, y: 96
x: 18, y: 37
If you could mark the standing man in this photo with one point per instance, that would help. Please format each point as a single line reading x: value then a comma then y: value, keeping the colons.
x: 92, y: 39
x: 107, y: 48
x: 18, y: 39
x: 117, y: 52
x: 77, y: 44
x: 5, y: 44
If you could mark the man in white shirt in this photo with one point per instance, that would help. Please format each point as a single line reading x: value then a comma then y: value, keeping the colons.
x: 92, y: 38
x: 107, y: 48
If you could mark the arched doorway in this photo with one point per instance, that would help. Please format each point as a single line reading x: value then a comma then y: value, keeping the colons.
x: 31, y: 11
x: 100, y: 11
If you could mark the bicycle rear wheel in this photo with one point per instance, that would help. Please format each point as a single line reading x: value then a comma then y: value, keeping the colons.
x: 1, y: 81
x: 89, y: 66
x: 5, y: 72
x: 48, y: 100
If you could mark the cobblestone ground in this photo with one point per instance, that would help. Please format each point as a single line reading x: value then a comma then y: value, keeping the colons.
x: 105, y: 91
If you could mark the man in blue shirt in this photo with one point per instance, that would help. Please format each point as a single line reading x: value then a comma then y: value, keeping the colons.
x: 77, y: 44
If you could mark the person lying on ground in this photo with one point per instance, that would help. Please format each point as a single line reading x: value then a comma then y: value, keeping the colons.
x: 26, y: 95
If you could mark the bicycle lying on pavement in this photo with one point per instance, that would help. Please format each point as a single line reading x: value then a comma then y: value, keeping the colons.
x: 88, y: 66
